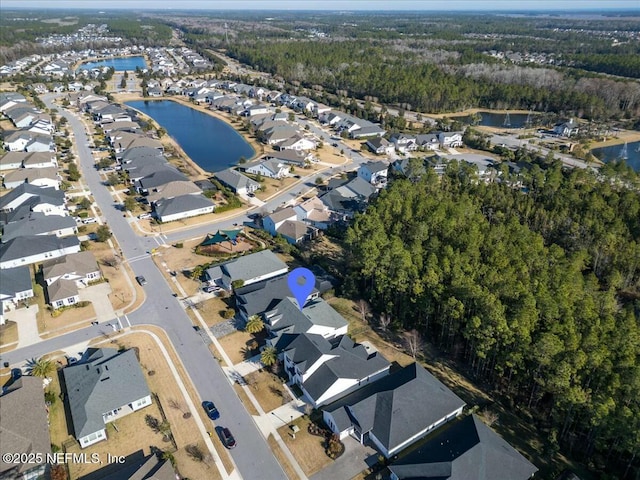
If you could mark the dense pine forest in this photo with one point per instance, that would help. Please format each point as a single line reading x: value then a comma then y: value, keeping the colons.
x: 436, y: 80
x: 536, y: 289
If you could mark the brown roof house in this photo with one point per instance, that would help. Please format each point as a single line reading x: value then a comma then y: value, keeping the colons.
x: 24, y: 427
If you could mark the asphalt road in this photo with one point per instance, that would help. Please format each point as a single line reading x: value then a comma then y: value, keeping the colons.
x: 252, y: 455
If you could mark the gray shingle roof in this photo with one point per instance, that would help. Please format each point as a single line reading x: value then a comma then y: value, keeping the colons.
x: 14, y: 280
x: 36, y: 195
x: 24, y: 425
x: 352, y: 361
x: 287, y: 318
x: 141, y: 152
x: 33, y: 245
x: 253, y: 265
x: 81, y: 263
x: 235, y: 180
x: 36, y: 223
x: 464, y: 449
x: 61, y: 289
x: 106, y: 380
x: 387, y: 407
x: 181, y: 203
x: 262, y: 296
x: 161, y: 176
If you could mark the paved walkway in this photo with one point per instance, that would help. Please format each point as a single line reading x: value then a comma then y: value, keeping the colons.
x: 263, y: 421
x: 248, y: 366
x: 26, y: 319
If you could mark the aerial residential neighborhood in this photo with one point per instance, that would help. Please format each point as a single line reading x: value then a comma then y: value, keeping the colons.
x: 319, y: 245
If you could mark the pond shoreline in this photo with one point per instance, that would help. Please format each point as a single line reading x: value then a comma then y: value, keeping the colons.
x: 258, y: 148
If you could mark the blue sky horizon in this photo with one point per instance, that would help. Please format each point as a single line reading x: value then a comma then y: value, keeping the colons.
x: 332, y: 5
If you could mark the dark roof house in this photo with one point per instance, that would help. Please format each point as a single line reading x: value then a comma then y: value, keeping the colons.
x: 386, y: 412
x: 463, y: 450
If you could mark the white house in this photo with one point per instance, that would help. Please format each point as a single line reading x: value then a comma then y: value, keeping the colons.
x: 567, y: 129
x: 182, y: 206
x: 326, y: 370
x: 268, y: 168
x: 103, y: 386
x: 15, y: 287
x: 46, y: 200
x: 374, y: 172
x: 297, y: 142
x: 247, y: 269
x: 39, y: 177
x: 450, y: 139
x: 237, y: 182
x: 316, y: 317
x: 314, y: 212
x: 36, y: 248
x: 272, y: 222
x: 81, y: 268
x: 404, y: 143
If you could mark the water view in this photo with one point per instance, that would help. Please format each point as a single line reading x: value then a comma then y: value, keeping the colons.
x: 211, y: 143
x: 119, y: 64
x: 503, y: 120
x: 629, y: 152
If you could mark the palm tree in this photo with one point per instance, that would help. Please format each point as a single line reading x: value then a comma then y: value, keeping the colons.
x: 254, y: 324
x: 269, y: 356
x: 41, y: 367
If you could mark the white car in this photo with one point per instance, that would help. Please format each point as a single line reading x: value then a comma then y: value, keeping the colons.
x: 142, y: 216
x: 89, y: 220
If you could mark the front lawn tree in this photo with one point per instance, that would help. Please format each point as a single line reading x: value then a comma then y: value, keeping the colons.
x: 129, y: 204
x: 41, y: 367
x: 269, y: 356
x: 254, y: 324
x: 103, y: 233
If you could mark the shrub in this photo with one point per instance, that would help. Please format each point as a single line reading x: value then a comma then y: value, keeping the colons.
x: 228, y: 313
x: 179, y: 245
x: 50, y: 397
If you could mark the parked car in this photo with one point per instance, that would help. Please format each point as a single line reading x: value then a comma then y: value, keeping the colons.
x: 142, y: 216
x: 250, y: 194
x: 227, y: 438
x: 89, y: 220
x: 141, y: 280
x: 211, y: 289
x: 211, y: 410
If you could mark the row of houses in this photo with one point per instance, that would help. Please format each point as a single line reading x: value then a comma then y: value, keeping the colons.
x: 358, y: 391
x: 170, y: 193
x: 405, y: 143
x: 342, y: 199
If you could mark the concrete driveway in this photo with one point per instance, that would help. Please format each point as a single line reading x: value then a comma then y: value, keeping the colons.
x: 26, y: 320
x: 355, y: 459
x: 99, y: 296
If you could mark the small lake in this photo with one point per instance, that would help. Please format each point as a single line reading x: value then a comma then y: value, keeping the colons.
x: 119, y: 64
x: 211, y: 143
x: 491, y: 119
x: 619, y: 152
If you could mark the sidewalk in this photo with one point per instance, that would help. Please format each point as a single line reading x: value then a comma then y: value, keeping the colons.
x: 265, y: 421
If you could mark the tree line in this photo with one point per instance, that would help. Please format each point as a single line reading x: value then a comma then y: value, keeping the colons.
x: 534, y: 286
x: 370, y: 69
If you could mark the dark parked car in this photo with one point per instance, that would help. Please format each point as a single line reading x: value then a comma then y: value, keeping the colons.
x: 141, y: 280
x: 210, y: 408
x: 227, y: 438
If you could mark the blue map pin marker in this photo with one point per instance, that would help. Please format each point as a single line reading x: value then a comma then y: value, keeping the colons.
x: 301, y: 282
